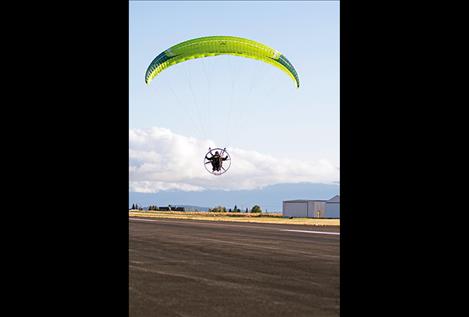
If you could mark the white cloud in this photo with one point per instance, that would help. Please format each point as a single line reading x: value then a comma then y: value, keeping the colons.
x: 162, y: 160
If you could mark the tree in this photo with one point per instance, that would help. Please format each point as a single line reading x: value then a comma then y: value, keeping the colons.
x: 235, y: 209
x: 133, y: 206
x: 229, y: 210
x: 218, y: 209
x: 256, y: 209
x: 247, y: 210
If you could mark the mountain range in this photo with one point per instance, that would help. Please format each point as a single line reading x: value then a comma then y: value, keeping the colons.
x: 268, y: 198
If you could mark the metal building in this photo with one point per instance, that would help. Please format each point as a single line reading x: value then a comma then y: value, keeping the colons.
x: 333, y: 207
x: 302, y: 208
x: 308, y: 208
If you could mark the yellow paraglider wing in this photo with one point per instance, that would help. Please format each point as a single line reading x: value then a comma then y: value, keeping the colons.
x: 219, y: 45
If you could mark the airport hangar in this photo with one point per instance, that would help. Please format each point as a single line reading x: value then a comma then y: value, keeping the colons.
x: 305, y: 208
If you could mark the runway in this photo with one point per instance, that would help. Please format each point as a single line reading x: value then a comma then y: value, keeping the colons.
x: 202, y: 268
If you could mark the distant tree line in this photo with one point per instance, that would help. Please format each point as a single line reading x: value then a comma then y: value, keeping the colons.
x: 156, y: 208
x: 136, y: 207
x: 254, y: 209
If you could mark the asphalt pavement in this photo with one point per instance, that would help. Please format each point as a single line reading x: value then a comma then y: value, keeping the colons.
x: 204, y: 268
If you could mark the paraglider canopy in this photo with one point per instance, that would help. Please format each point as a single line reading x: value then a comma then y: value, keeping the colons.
x: 219, y: 45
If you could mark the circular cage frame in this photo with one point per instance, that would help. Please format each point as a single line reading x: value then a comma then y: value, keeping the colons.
x: 223, y: 169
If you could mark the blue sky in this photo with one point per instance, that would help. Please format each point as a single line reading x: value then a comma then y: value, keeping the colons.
x: 236, y: 102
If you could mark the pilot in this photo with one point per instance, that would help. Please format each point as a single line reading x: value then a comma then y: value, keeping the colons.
x: 216, y: 160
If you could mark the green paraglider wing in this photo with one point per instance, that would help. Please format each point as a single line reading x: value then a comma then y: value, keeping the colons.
x: 219, y: 45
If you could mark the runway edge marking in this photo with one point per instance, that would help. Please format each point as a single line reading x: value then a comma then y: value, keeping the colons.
x: 307, y: 231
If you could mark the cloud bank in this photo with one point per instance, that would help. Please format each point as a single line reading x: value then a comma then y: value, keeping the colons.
x: 162, y: 160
